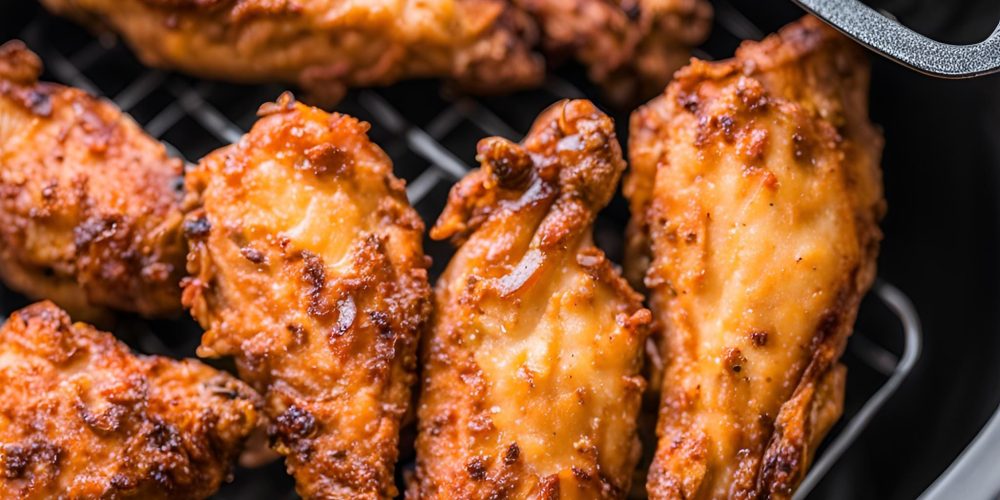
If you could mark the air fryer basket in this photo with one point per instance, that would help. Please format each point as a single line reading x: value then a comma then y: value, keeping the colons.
x: 431, y: 134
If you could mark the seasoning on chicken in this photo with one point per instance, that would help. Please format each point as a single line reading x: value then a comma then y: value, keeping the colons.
x: 326, y: 46
x: 531, y: 382
x: 307, y: 266
x: 83, y: 417
x: 89, y: 204
x: 630, y: 47
x: 756, y: 194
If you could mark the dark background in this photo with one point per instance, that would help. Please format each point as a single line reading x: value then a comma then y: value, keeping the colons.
x: 941, y: 167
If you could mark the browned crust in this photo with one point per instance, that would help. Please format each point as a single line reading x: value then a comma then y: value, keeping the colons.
x: 331, y: 347
x: 548, y: 190
x: 811, y: 75
x: 82, y: 417
x: 511, y: 178
x: 89, y: 205
x: 630, y: 47
x: 328, y: 46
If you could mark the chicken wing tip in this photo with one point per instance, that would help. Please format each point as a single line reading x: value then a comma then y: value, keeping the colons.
x: 571, y: 152
x: 18, y: 63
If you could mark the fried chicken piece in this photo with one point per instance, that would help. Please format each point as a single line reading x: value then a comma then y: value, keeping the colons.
x: 326, y: 46
x: 83, y: 417
x: 89, y: 204
x: 630, y: 47
x: 486, y: 46
x: 531, y: 382
x: 307, y: 266
x: 756, y: 190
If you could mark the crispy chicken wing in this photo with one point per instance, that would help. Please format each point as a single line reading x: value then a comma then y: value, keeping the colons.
x: 89, y: 204
x: 83, y: 417
x: 756, y: 192
x: 531, y: 381
x: 307, y: 265
x: 326, y: 46
x: 630, y: 47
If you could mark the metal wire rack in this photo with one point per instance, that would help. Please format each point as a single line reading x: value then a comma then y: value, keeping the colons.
x: 430, y: 134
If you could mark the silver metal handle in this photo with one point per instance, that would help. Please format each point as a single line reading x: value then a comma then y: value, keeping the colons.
x: 905, y: 46
x: 974, y: 475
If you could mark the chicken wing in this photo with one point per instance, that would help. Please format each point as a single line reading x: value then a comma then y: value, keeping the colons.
x: 89, y: 204
x: 756, y: 193
x: 327, y: 46
x: 83, y: 417
x: 307, y: 265
x: 630, y: 47
x: 531, y: 382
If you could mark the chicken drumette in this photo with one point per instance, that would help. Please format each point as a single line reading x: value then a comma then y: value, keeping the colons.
x: 531, y: 383
x: 307, y: 266
x: 756, y: 194
x: 89, y: 204
x: 83, y: 417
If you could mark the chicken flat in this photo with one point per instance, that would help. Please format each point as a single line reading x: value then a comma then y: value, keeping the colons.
x: 83, y: 417
x: 307, y: 266
x: 756, y: 192
x: 89, y: 204
x: 326, y: 46
x: 531, y: 383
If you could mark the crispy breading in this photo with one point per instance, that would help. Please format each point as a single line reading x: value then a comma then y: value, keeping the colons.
x: 630, y: 47
x: 83, y: 417
x: 89, y: 204
x: 486, y: 46
x: 531, y: 383
x: 326, y: 46
x: 307, y: 266
x: 756, y: 194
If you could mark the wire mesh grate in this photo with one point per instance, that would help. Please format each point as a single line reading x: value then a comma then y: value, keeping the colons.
x: 431, y: 136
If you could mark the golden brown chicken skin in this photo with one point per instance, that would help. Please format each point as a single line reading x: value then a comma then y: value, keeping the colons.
x: 326, y: 46
x: 83, y: 417
x: 756, y: 192
x: 531, y: 383
x: 629, y: 47
x: 89, y: 204
x: 307, y: 266
x: 486, y: 46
